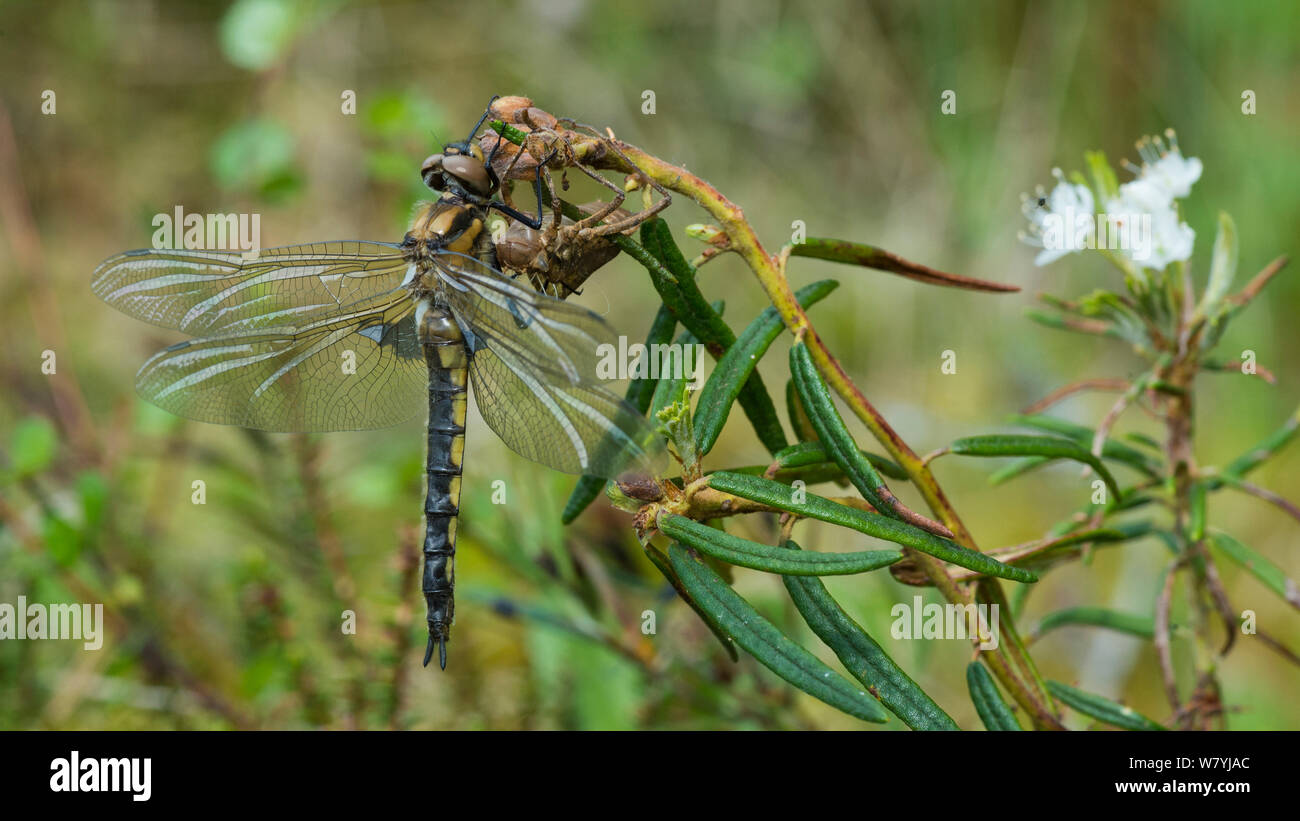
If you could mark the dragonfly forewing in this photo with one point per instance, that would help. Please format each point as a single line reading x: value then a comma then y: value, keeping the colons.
x: 204, y: 293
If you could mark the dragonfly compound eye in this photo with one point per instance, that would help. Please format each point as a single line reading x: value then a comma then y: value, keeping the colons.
x: 431, y: 172
x: 470, y: 171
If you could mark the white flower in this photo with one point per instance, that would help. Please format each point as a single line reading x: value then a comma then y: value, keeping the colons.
x: 1150, y: 235
x: 1143, y: 194
x: 1171, y: 239
x: 1141, y: 223
x: 1167, y: 167
x: 1054, y: 219
x: 1157, y: 236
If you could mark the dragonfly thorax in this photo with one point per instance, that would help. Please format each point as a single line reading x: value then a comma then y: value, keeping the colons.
x: 450, y: 223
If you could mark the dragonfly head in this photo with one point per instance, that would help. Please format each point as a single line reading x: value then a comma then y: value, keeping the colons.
x: 459, y: 168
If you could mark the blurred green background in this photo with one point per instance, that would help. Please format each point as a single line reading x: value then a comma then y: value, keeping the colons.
x: 228, y: 614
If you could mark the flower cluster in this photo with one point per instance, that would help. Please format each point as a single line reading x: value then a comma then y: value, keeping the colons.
x: 1139, y: 220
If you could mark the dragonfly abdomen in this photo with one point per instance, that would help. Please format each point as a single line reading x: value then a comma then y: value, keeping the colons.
x: 448, y: 363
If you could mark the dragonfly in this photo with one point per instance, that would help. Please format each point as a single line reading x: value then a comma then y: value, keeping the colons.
x: 355, y: 335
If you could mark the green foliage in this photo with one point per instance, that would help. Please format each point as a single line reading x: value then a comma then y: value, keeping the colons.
x: 862, y: 656
x: 766, y: 643
x: 1131, y: 623
x: 258, y: 156
x: 743, y: 553
x: 32, y: 447
x: 1102, y: 709
x: 782, y: 497
x: 734, y: 368
x: 831, y: 432
x: 681, y: 294
x: 1273, y: 577
x: 993, y: 711
x: 1046, y: 447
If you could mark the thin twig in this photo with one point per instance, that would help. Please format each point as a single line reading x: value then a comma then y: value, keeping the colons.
x: 1163, y: 604
x: 1112, y: 415
x: 1233, y: 367
x: 1102, y: 384
x: 1257, y: 282
x: 1267, y: 495
x: 1218, y: 595
x: 1278, y: 647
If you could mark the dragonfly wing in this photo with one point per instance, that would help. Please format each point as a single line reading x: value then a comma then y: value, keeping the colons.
x: 572, y: 426
x: 361, y: 368
x: 205, y: 293
x: 542, y: 333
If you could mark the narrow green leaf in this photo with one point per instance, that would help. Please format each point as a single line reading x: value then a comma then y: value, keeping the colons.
x: 1061, y: 545
x: 1021, y: 466
x: 804, y: 454
x: 781, y: 497
x: 831, y: 431
x: 638, y: 395
x: 1111, y: 449
x: 1265, y: 449
x: 869, y: 256
x: 1132, y: 499
x: 1131, y: 623
x: 1021, y: 445
x: 1223, y: 266
x: 693, y: 311
x: 1259, y: 566
x: 1144, y: 440
x: 1102, y: 709
x: 734, y: 368
x: 743, y: 553
x: 803, y: 429
x: 1103, y: 176
x: 662, y: 564
x: 660, y: 333
x: 767, y: 644
x: 863, y: 657
x: 1196, y: 512
x: 670, y: 388
x: 993, y: 711
x: 811, y: 474
x: 1096, y: 327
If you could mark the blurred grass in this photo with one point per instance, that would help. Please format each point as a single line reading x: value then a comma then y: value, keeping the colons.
x: 830, y: 119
